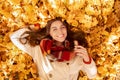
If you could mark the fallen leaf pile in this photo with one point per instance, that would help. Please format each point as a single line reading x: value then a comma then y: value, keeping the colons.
x: 99, y: 19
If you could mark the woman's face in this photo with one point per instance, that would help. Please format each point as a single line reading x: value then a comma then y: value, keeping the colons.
x: 58, y: 31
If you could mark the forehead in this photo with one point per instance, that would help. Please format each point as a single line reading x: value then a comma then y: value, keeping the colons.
x: 56, y: 23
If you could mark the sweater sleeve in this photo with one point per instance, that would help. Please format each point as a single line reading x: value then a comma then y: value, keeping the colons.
x: 90, y: 69
x: 15, y: 36
x: 41, y: 61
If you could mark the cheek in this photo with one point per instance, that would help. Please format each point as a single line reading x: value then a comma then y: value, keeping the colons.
x: 65, y: 32
x: 51, y: 34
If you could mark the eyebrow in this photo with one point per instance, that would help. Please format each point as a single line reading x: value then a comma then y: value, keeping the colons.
x: 53, y: 27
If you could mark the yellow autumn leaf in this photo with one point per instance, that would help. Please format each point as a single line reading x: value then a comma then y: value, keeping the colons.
x: 6, y: 14
x: 14, y: 2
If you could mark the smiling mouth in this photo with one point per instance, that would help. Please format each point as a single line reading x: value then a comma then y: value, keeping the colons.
x: 60, y: 36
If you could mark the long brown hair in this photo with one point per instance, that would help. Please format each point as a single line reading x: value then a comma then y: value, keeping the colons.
x: 34, y: 37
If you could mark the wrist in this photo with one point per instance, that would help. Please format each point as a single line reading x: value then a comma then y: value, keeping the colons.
x: 89, y: 61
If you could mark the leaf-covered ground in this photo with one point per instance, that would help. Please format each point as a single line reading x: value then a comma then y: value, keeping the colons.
x: 99, y: 19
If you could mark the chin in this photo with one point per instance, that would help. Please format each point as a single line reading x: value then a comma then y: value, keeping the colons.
x: 61, y: 40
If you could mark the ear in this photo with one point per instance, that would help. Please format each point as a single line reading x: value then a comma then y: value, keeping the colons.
x: 75, y: 42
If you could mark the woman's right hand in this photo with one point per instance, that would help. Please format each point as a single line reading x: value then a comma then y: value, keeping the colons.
x: 35, y: 27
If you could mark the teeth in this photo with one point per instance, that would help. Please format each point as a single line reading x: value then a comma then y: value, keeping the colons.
x: 60, y: 36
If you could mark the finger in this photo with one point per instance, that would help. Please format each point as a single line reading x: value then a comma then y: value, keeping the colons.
x: 75, y: 42
x: 80, y: 51
x: 79, y: 47
x: 81, y: 55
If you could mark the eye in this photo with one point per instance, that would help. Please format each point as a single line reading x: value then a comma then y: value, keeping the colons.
x: 54, y: 29
x: 63, y: 26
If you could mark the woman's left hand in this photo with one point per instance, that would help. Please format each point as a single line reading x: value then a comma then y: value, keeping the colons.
x: 81, y: 51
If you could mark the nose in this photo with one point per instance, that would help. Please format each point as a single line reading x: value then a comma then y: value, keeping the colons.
x: 60, y: 31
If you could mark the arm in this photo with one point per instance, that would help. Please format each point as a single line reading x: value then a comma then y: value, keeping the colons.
x: 90, y: 69
x: 15, y: 40
x: 89, y: 66
x: 41, y: 61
